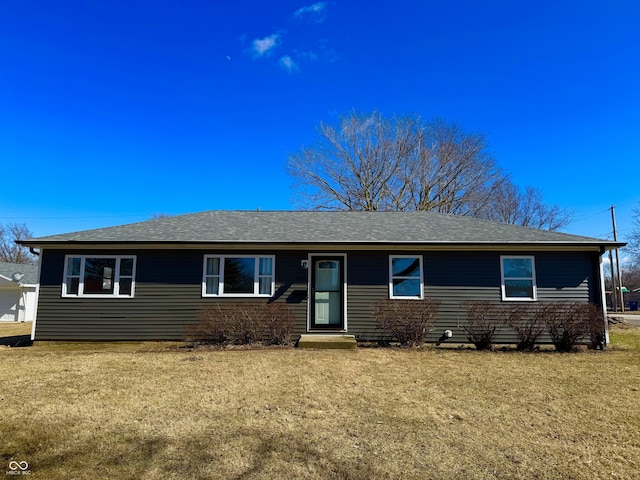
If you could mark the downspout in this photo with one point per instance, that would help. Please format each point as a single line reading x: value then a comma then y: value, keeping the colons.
x: 603, y: 299
x: 33, y: 252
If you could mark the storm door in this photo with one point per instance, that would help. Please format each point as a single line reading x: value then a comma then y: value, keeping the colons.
x: 327, y: 293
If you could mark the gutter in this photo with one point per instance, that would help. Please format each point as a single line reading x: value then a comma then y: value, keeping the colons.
x: 605, y: 245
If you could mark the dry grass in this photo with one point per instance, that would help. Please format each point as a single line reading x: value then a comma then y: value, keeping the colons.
x: 10, y: 329
x: 154, y: 411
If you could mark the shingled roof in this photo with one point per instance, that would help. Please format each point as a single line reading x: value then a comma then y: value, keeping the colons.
x: 29, y: 272
x: 318, y: 227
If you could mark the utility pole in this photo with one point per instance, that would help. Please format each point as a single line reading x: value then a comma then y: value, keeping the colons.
x: 619, y: 272
x: 614, y: 295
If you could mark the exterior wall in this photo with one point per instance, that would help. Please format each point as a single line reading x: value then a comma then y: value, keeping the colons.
x: 168, y: 290
x: 167, y: 297
x: 31, y: 297
x: 456, y: 277
x: 17, y: 304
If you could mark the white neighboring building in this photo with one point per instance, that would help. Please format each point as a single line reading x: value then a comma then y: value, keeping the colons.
x: 18, y: 292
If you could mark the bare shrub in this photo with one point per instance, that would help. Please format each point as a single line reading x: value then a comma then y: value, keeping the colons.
x: 482, y: 323
x: 246, y: 325
x: 279, y: 322
x: 242, y: 323
x: 565, y: 324
x: 409, y: 321
x: 593, y: 319
x: 527, y: 323
x: 213, y: 326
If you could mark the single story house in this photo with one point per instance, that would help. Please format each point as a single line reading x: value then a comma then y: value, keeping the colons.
x: 148, y: 280
x: 18, y: 287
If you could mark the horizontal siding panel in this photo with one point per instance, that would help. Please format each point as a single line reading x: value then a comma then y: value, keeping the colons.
x: 168, y: 292
x: 167, y: 297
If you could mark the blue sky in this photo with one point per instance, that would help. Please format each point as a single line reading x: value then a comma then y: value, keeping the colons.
x: 113, y: 110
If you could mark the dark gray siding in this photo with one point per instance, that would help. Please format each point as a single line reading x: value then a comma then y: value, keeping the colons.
x: 457, y: 277
x: 168, y: 291
x: 167, y: 297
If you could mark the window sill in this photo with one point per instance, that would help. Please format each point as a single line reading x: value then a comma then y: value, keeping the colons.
x: 238, y: 295
x: 97, y: 296
x: 406, y: 298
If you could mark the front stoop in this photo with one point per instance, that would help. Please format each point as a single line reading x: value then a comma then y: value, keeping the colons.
x: 327, y: 341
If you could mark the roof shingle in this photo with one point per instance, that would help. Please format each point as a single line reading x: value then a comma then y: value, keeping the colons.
x: 293, y: 227
x: 30, y: 272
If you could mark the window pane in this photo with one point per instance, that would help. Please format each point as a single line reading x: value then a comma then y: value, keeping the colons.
x: 405, y: 267
x: 107, y: 278
x: 73, y: 266
x: 327, y: 276
x: 125, y: 286
x: 213, y: 266
x: 518, y: 288
x: 212, y: 285
x: 126, y: 267
x: 518, y: 267
x: 97, y: 275
x: 406, y: 287
x: 73, y: 283
x: 239, y: 275
x: 266, y: 266
x: 265, y: 285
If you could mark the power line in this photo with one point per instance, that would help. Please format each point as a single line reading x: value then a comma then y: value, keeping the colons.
x: 600, y: 212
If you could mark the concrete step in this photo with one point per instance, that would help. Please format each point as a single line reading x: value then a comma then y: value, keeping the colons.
x: 327, y: 341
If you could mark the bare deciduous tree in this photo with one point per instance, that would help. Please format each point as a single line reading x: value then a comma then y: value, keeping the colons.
x: 371, y: 162
x: 10, y: 251
x: 632, y: 277
x: 510, y: 204
x: 358, y: 166
x: 450, y: 171
x: 634, y: 240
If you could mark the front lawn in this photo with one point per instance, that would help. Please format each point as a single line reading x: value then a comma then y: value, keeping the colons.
x: 159, y: 411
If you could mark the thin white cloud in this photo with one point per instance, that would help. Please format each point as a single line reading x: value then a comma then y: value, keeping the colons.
x: 261, y: 47
x: 289, y: 64
x: 308, y: 55
x: 315, y: 11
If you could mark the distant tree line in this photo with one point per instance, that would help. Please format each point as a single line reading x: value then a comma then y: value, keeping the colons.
x: 631, y: 274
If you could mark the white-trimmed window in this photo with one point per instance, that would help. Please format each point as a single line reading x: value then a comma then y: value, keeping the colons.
x: 518, y: 278
x: 99, y: 276
x: 238, y: 276
x: 405, y: 277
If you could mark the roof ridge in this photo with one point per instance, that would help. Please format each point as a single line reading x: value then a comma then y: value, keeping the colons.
x: 309, y: 226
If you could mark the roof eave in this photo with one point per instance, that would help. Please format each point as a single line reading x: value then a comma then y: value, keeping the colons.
x: 607, y: 245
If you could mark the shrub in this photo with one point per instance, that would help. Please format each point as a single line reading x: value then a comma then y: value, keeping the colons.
x: 246, y: 325
x: 594, y: 323
x: 408, y: 321
x: 565, y: 323
x: 279, y: 321
x: 213, y: 326
x: 527, y: 323
x: 242, y: 323
x: 481, y: 325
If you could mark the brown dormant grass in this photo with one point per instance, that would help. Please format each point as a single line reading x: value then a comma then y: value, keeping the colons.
x: 157, y: 411
x: 11, y: 329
